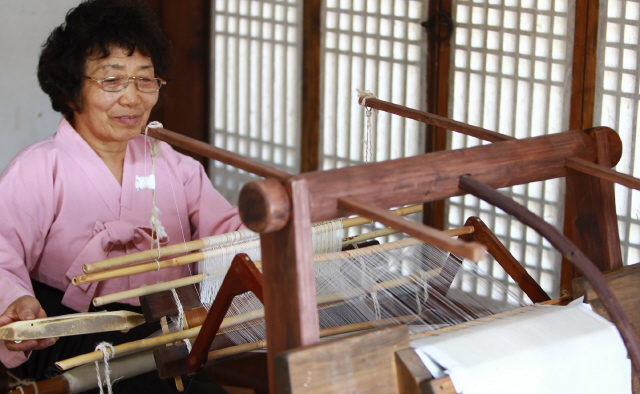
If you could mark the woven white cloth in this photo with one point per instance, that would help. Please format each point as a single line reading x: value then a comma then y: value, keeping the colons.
x: 541, y: 350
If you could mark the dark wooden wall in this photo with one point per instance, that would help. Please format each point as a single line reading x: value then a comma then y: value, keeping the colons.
x: 186, y: 108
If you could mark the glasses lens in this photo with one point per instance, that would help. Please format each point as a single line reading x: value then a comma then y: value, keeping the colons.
x: 114, y: 84
x: 148, y: 85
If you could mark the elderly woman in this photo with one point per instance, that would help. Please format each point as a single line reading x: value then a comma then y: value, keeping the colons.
x: 70, y: 199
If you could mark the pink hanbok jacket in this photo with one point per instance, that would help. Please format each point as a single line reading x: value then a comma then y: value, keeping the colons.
x: 61, y: 207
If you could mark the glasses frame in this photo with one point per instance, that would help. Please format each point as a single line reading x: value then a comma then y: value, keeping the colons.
x: 136, y: 79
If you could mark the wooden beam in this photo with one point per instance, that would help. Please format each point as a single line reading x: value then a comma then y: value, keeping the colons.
x: 434, y: 176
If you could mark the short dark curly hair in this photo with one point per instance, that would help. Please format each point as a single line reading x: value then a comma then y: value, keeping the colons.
x: 96, y: 25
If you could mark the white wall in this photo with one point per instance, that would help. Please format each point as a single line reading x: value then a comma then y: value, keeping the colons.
x: 25, y: 111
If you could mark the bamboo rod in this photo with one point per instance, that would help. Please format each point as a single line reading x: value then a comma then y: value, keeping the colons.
x: 146, y: 290
x: 215, y: 240
x: 326, y: 332
x: 160, y: 341
x: 360, y: 220
x: 168, y: 250
x: 389, y: 231
x: 602, y: 172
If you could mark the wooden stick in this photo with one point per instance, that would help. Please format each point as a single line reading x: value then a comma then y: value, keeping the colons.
x: 221, y: 239
x: 602, y: 172
x: 388, y: 231
x: 360, y: 220
x: 146, y: 290
x: 436, y: 120
x: 471, y: 250
x: 221, y: 155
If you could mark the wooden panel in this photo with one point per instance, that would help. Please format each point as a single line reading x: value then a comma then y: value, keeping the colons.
x: 411, y: 372
x: 624, y: 282
x: 363, y: 363
x: 440, y: 386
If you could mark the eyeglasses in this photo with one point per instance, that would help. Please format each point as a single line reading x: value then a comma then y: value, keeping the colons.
x: 118, y: 84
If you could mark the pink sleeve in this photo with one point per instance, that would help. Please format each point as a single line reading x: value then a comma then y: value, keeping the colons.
x: 25, y: 208
x: 209, y: 212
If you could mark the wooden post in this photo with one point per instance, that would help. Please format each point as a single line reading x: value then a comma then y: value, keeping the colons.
x: 581, y: 117
x: 310, y: 111
x: 591, y: 222
x: 438, y: 61
x: 291, y: 312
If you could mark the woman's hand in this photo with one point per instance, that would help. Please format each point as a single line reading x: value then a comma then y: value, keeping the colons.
x: 25, y: 308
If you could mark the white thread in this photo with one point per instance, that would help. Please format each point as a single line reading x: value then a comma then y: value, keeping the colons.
x: 176, y: 299
x: 103, y: 346
x: 20, y: 382
x: 157, y: 230
x: 376, y: 305
x: 157, y: 262
x: 35, y: 385
x: 21, y: 389
x: 424, y: 285
x: 188, y: 342
x: 365, y: 94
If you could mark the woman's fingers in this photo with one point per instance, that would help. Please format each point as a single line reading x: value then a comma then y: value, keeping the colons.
x: 25, y: 308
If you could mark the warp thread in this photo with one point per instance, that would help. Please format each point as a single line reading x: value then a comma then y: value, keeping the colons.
x: 103, y: 346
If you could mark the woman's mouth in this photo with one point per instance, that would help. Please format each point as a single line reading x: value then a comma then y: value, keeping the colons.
x: 128, y: 120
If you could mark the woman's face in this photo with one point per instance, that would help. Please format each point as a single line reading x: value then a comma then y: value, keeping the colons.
x: 114, y: 117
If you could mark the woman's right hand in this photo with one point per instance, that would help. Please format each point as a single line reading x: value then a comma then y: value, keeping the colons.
x: 25, y: 308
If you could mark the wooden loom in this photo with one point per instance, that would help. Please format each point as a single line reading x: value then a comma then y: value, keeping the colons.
x: 282, y: 208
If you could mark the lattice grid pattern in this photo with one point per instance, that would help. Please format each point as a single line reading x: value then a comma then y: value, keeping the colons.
x: 511, y: 73
x: 617, y: 99
x: 256, y: 49
x: 377, y: 46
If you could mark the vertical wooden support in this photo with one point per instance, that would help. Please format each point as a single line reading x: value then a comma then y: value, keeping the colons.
x: 310, y: 111
x: 591, y: 222
x: 289, y: 282
x: 438, y: 61
x: 581, y: 118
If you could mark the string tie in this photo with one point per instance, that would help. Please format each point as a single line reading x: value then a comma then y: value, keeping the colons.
x: 104, y: 347
x: 364, y: 95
